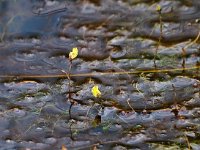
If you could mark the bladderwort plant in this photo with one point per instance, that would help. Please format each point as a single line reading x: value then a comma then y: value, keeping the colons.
x: 95, y: 90
x: 97, y: 94
x: 72, y: 55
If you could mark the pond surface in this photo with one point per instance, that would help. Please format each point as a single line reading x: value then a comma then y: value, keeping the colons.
x: 146, y: 63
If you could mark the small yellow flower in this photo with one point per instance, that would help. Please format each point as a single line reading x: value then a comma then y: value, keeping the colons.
x: 95, y: 91
x: 158, y: 8
x: 74, y: 53
x: 63, y: 147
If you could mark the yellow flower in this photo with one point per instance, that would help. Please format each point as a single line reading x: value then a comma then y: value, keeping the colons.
x: 63, y: 147
x: 74, y: 53
x: 158, y: 8
x: 95, y: 91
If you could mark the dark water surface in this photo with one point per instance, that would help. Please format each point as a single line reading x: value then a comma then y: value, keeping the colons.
x: 145, y: 62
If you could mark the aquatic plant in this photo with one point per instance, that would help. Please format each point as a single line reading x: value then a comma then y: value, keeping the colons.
x: 72, y: 55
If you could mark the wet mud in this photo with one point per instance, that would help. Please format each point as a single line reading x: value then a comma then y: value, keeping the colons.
x: 145, y: 61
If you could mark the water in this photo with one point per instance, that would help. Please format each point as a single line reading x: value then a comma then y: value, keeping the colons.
x: 150, y: 89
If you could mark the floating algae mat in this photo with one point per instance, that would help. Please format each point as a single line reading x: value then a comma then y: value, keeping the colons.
x: 99, y: 74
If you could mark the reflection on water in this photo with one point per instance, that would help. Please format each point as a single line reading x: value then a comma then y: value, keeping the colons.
x: 150, y: 90
x: 18, y: 22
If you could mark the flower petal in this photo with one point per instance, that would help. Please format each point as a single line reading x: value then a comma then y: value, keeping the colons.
x: 95, y: 91
x: 74, y: 53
